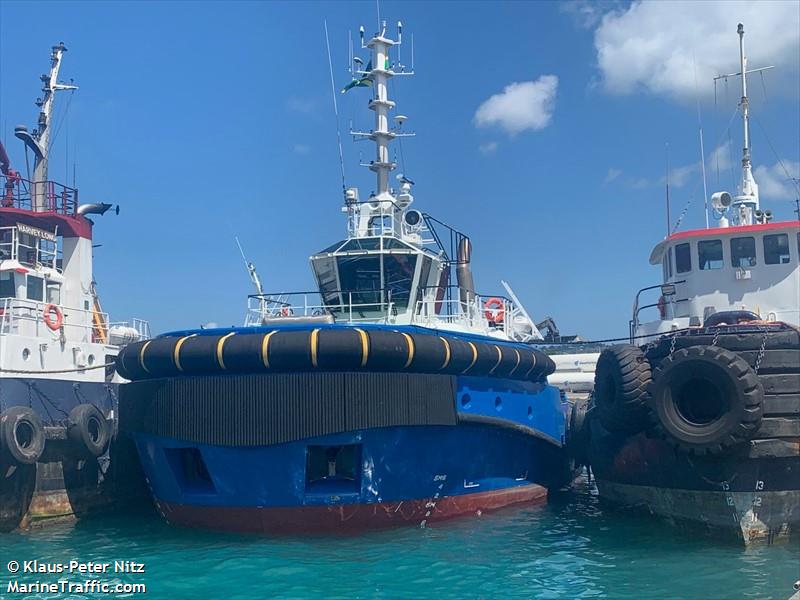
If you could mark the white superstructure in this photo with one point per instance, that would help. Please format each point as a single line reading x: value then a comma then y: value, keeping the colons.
x: 396, y: 264
x: 746, y: 263
x: 51, y: 322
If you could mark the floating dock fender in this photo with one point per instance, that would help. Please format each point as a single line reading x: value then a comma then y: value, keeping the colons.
x: 329, y: 349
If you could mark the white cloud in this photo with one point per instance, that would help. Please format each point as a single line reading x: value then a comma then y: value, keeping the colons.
x: 301, y: 149
x: 774, y: 183
x: 654, y: 46
x: 588, y: 13
x: 520, y: 106
x: 488, y: 148
x: 612, y: 175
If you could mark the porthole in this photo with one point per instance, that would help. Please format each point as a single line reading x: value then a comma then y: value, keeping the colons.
x: 90, y: 359
x: 465, y: 400
x: 498, y: 404
x: 26, y: 354
x: 530, y: 413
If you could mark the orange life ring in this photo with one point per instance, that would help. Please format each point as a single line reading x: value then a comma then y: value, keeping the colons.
x: 495, y: 310
x: 662, y: 307
x: 53, y: 317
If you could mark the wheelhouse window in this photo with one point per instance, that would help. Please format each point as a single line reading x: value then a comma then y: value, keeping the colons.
x: 743, y: 252
x: 8, y: 289
x: 398, y: 271
x: 776, y: 249
x: 683, y: 258
x: 53, y: 293
x: 360, y: 280
x: 710, y: 254
x: 35, y: 288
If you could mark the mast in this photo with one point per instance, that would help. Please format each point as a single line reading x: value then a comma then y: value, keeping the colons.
x: 378, y: 71
x: 39, y: 140
x: 749, y: 187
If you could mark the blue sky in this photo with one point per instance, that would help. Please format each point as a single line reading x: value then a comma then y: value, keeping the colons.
x: 541, y: 133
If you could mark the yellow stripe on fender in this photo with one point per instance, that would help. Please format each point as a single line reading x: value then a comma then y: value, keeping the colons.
x: 265, y: 348
x: 141, y: 356
x: 364, y: 346
x: 176, y: 351
x: 446, y: 353
x: 533, y: 366
x: 499, y: 359
x: 519, y: 358
x: 474, y: 357
x: 314, y: 346
x: 410, y: 343
x: 220, y: 345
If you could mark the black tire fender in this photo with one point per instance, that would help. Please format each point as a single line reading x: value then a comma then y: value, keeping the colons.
x: 89, y: 430
x: 578, y: 437
x: 21, y: 435
x: 621, y: 383
x: 705, y: 399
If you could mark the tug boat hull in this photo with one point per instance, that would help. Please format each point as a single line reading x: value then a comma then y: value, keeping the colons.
x: 291, y: 449
x: 410, y: 476
x: 65, y: 484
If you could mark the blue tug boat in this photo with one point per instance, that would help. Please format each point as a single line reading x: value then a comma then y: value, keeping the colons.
x: 386, y: 397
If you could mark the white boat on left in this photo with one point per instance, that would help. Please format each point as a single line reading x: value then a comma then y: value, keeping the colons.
x: 58, y: 400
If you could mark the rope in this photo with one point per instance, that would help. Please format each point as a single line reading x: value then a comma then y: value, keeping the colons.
x: 55, y: 371
x: 672, y: 332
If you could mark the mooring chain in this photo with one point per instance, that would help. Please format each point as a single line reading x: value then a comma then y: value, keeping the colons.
x: 762, y: 350
x: 716, y: 337
x: 672, y: 344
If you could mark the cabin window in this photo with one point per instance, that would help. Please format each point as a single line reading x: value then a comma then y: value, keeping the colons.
x: 683, y: 258
x: 53, y: 293
x: 669, y: 261
x: 710, y: 254
x: 398, y: 270
x: 360, y: 278
x: 7, y: 287
x: 743, y: 252
x: 35, y: 288
x: 776, y: 249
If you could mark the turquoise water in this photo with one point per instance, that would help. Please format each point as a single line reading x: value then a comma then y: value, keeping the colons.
x: 573, y: 548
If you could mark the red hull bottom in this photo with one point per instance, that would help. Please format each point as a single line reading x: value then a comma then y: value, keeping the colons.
x: 348, y: 518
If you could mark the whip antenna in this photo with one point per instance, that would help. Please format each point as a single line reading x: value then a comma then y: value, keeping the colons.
x: 702, y: 149
x: 335, y: 106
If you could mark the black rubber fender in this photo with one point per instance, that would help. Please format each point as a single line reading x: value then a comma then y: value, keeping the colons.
x: 22, y: 436
x: 330, y: 349
x: 706, y: 399
x: 89, y: 431
x: 622, y: 377
x: 578, y: 435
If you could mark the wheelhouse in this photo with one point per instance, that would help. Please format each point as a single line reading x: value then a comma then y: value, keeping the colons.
x: 754, y: 268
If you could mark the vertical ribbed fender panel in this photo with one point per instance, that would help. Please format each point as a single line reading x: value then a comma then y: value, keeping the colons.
x: 341, y: 349
x: 388, y: 350
x: 290, y: 350
x: 429, y: 353
x: 242, y: 353
x: 264, y: 409
x: 198, y: 354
